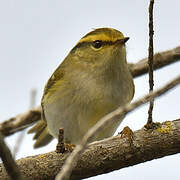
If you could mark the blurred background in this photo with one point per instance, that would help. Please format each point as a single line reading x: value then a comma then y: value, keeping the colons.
x: 35, y: 37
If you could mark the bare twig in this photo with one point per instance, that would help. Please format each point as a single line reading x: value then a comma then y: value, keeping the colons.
x: 107, y: 155
x: 21, y: 135
x: 60, y: 148
x: 8, y: 161
x: 33, y: 98
x: 26, y: 119
x: 73, y: 157
x: 150, y: 61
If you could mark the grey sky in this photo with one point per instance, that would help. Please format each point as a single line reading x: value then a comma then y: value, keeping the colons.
x: 36, y: 35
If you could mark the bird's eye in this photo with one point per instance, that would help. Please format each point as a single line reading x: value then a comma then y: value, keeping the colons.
x: 97, y: 44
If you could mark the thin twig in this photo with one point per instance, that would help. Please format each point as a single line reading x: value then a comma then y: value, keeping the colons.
x: 60, y: 148
x: 8, y: 161
x: 150, y: 61
x: 73, y: 157
x: 21, y: 135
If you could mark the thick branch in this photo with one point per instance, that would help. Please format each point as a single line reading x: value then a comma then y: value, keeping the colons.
x: 24, y: 120
x: 107, y: 155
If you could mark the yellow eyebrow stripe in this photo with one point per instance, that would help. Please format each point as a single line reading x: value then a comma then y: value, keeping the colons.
x: 111, y: 36
x: 101, y: 37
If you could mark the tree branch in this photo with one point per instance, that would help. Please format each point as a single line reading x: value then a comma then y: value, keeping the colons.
x: 161, y: 59
x: 8, y: 161
x: 24, y: 120
x: 107, y: 155
x: 151, y: 62
x: 20, y: 122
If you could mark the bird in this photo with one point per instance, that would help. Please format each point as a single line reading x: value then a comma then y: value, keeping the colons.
x: 92, y: 81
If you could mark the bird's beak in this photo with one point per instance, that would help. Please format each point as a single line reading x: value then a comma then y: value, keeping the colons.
x: 124, y: 40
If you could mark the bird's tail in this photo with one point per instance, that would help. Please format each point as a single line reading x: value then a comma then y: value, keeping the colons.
x: 41, y: 134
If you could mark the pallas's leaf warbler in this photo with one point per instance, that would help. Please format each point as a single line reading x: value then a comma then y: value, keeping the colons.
x: 92, y: 81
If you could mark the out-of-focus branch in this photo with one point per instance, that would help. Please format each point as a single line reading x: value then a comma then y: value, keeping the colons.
x: 8, y: 161
x: 20, y: 122
x: 106, y: 156
x: 21, y: 135
x: 161, y: 59
x: 24, y: 120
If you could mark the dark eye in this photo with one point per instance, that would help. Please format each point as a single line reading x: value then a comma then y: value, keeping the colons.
x: 97, y: 44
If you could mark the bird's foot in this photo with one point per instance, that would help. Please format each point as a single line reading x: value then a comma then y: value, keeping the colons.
x: 127, y: 133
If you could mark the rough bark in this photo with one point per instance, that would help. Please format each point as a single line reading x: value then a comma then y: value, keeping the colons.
x: 107, y: 155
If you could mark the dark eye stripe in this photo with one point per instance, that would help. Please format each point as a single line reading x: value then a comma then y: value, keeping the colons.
x: 87, y: 43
